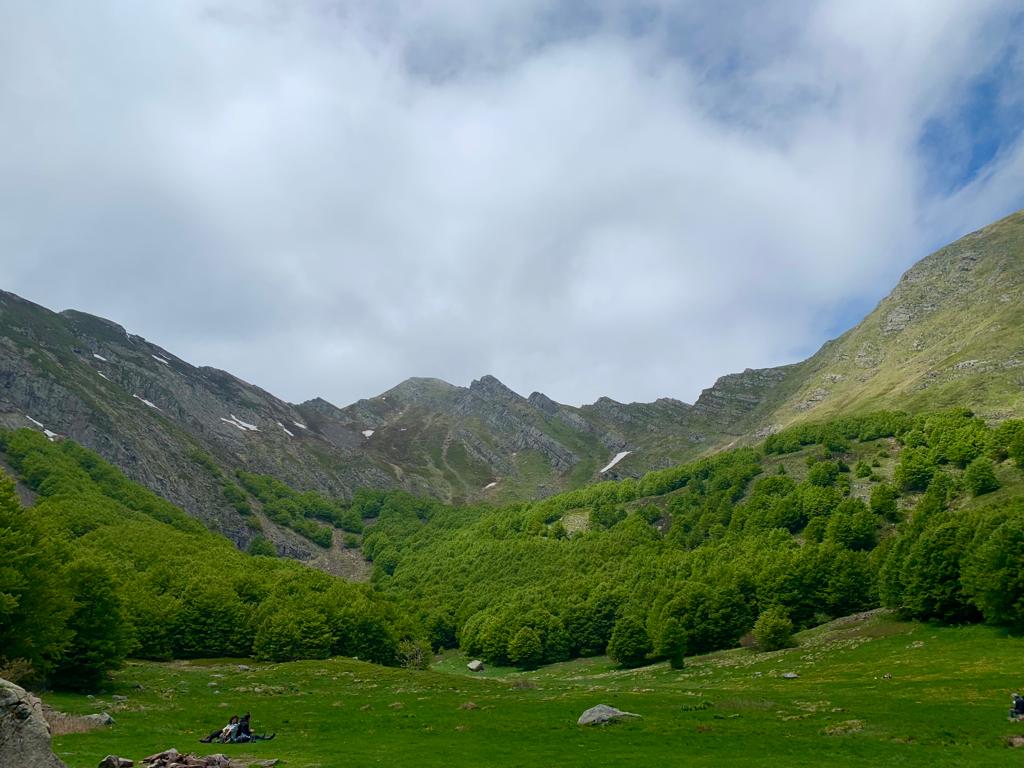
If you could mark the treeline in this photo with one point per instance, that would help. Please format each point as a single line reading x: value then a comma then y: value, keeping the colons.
x: 746, y: 546
x: 100, y: 568
x: 730, y: 548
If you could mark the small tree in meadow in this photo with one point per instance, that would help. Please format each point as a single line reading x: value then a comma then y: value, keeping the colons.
x: 525, y: 649
x: 773, y: 630
x: 630, y: 644
x: 672, y: 642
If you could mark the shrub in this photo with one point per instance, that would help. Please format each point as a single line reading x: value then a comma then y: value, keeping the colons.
x: 260, y: 545
x: 773, y: 630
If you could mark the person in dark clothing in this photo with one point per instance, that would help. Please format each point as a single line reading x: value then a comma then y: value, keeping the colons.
x: 227, y: 733
x: 244, y: 732
x: 1017, y: 708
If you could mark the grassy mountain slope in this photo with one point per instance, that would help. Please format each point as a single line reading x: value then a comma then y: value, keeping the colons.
x: 950, y: 334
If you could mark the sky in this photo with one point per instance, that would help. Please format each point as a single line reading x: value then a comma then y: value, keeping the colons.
x: 626, y: 198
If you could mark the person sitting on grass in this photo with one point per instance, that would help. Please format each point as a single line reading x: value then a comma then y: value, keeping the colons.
x: 1017, y: 708
x: 224, y: 734
x: 244, y: 732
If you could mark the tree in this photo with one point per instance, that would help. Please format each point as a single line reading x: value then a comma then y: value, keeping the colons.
x: 525, y: 650
x: 773, y: 629
x: 630, y: 644
x: 103, y: 636
x: 994, y: 576
x: 883, y: 502
x: 915, y: 470
x: 293, y: 633
x: 672, y: 642
x: 1015, y: 450
x: 34, y: 598
x: 980, y: 478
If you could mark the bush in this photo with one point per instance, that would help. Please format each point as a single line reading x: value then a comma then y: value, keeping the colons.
x: 260, y: 545
x: 773, y: 630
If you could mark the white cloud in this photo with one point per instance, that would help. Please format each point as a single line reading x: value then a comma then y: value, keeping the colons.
x: 325, y: 198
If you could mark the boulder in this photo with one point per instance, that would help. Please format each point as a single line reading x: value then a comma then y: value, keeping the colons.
x: 103, y: 718
x: 475, y: 666
x: 602, y: 714
x: 790, y: 676
x: 166, y: 756
x: 113, y: 761
x: 24, y: 734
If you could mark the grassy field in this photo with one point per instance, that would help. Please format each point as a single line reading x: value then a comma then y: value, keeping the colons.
x: 944, y: 704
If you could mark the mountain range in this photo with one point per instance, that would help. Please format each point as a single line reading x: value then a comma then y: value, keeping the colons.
x: 949, y: 334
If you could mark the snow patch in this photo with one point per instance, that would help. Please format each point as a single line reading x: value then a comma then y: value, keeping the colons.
x: 282, y: 426
x: 144, y: 400
x: 618, y: 457
x: 160, y: 359
x: 242, y: 425
x: 367, y: 433
x: 51, y: 435
x: 490, y: 485
x: 300, y: 426
x: 99, y: 357
x: 101, y: 373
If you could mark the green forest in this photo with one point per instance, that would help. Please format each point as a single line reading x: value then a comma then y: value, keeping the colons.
x: 923, y: 514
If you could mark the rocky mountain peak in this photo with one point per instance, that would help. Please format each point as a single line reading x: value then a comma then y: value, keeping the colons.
x: 488, y: 386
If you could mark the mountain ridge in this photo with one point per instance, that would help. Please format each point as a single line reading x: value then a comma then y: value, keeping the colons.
x: 949, y: 333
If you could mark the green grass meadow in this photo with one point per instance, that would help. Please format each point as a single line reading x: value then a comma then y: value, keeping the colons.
x: 944, y: 704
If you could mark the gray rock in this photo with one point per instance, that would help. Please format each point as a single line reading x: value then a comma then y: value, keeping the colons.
x: 602, y: 714
x: 113, y: 761
x: 790, y: 676
x: 24, y: 733
x: 244, y: 668
x: 117, y: 697
x: 168, y: 755
x: 475, y: 666
x: 103, y: 718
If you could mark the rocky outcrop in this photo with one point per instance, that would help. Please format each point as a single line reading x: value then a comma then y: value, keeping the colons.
x: 603, y: 714
x: 24, y: 733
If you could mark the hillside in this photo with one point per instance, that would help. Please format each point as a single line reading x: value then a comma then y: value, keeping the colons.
x: 949, y: 334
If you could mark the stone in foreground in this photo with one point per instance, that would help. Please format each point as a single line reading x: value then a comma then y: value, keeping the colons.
x: 602, y: 714
x: 475, y: 666
x: 24, y: 734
